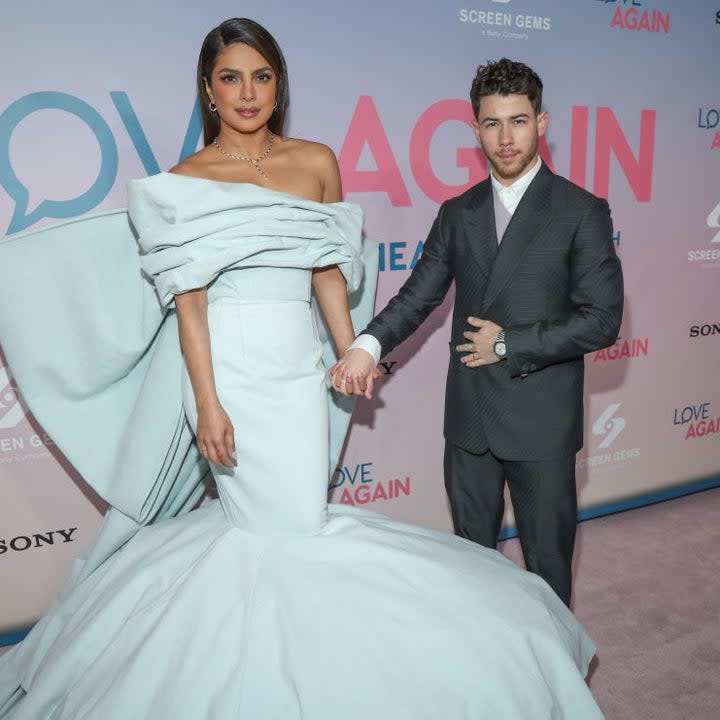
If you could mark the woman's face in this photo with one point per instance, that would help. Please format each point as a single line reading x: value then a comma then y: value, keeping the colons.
x: 243, y: 86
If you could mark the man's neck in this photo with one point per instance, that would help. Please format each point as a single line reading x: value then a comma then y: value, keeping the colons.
x: 528, y: 169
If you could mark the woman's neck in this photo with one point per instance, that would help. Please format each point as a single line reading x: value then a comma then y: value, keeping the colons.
x: 250, y: 145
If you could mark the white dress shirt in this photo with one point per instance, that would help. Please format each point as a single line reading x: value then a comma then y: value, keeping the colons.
x: 510, y: 196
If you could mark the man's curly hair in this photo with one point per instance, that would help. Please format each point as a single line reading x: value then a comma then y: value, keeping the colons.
x: 506, y: 77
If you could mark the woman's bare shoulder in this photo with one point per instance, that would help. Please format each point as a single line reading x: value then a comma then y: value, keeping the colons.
x: 310, y: 151
x: 319, y: 161
x: 316, y: 157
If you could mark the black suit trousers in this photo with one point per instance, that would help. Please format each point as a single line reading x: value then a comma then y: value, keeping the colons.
x: 544, y: 501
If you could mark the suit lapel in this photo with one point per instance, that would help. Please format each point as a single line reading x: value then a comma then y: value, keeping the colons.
x: 479, y: 224
x: 531, y: 215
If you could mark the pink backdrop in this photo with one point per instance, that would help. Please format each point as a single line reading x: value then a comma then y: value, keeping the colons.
x: 104, y: 96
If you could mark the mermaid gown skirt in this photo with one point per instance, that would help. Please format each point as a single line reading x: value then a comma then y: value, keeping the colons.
x: 269, y: 603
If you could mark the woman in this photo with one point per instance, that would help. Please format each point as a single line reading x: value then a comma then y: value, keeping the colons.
x: 244, y: 101
x: 267, y: 603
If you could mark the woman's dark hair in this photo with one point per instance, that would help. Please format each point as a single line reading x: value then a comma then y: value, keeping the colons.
x: 246, y: 32
x: 506, y: 77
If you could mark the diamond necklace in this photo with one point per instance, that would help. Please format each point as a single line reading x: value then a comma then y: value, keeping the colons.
x: 255, y: 162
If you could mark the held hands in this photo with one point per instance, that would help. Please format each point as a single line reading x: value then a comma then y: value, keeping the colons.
x: 215, y: 435
x: 355, y: 373
x: 479, y: 347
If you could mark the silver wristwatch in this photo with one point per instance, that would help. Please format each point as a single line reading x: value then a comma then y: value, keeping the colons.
x: 499, y: 347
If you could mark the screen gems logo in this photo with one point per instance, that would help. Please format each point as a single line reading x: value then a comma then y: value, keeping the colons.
x: 713, y: 222
x: 17, y: 445
x: 12, y: 409
x: 509, y: 26
x: 709, y: 255
x: 608, y: 426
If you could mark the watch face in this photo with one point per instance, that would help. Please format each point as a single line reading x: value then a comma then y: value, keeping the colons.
x: 500, y: 349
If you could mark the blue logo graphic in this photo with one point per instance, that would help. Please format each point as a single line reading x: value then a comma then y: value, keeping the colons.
x: 51, y: 100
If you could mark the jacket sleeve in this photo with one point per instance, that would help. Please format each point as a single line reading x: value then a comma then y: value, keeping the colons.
x: 421, y: 293
x: 596, y: 297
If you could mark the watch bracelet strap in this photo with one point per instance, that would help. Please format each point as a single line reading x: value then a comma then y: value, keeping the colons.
x: 500, y: 339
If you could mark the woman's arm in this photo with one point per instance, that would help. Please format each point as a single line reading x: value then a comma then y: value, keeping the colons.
x: 214, y: 430
x: 328, y: 283
x: 347, y: 378
x: 332, y: 296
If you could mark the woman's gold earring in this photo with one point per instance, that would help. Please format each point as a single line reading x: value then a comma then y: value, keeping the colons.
x: 213, y: 107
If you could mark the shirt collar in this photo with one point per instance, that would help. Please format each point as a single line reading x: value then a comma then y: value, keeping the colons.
x: 518, y: 188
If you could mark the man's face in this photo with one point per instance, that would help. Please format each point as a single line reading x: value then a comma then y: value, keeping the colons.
x: 508, y: 130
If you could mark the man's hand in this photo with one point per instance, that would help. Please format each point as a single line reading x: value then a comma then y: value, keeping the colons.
x: 355, y: 373
x: 479, y: 348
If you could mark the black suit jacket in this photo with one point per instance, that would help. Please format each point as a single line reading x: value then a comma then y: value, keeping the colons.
x: 555, y: 285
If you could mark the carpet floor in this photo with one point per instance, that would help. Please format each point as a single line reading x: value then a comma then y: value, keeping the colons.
x: 647, y: 589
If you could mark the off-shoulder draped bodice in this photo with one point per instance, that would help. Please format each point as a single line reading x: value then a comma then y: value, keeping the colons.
x: 195, y: 232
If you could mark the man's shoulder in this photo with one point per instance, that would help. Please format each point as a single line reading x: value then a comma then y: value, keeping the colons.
x: 468, y: 198
x: 572, y: 193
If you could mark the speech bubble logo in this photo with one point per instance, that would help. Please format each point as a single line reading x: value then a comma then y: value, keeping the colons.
x: 52, y: 100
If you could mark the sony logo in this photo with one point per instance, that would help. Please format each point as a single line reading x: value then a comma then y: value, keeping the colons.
x: 20, y: 543
x: 705, y: 330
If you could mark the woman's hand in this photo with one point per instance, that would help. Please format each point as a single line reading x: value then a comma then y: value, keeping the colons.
x: 355, y: 373
x: 215, y: 435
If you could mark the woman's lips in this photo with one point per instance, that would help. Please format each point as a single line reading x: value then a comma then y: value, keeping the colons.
x: 247, y: 112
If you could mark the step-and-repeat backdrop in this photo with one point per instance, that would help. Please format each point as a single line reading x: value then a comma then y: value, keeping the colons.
x: 95, y: 93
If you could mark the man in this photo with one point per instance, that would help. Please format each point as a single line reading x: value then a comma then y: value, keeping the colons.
x: 538, y: 284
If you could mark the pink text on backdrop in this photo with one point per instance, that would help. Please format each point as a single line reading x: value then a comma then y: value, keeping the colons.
x: 366, y: 129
